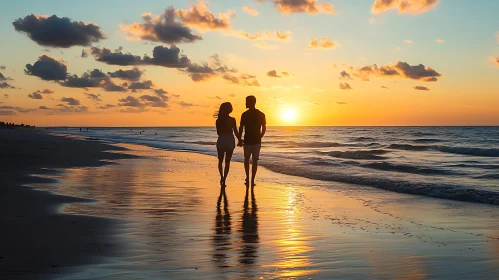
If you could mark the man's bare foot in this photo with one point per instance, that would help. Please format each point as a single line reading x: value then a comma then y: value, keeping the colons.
x: 253, y: 183
x: 246, y: 182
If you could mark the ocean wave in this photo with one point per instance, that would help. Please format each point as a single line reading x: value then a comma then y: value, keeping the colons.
x: 366, y: 154
x: 386, y: 166
x: 427, y: 140
x: 470, y: 151
x: 444, y: 191
x: 362, y: 139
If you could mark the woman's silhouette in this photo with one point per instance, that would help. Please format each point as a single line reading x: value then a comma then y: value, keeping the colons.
x: 226, y: 129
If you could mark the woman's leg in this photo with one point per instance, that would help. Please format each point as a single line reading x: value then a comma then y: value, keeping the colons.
x: 228, y: 157
x: 220, y: 161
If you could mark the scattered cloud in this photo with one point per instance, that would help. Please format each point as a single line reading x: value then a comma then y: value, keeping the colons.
x: 35, y: 95
x: 58, y: 32
x: 107, y: 106
x: 232, y: 95
x: 243, y: 79
x: 495, y: 60
x: 403, y: 6
x: 324, y: 43
x: 408, y: 41
x: 185, y: 104
x: 5, y: 85
x: 163, y: 28
x: 384, y: 87
x: 89, y: 79
x: 133, y: 74
x: 3, y: 67
x: 421, y: 88
x: 345, y: 86
x: 6, y: 96
x: 439, y: 41
x: 72, y: 109
x: 344, y: 75
x: 162, y: 56
x: 341, y: 103
x: 147, y: 84
x: 70, y: 101
x: 265, y: 35
x: 112, y: 87
x: 84, y: 53
x: 93, y: 96
x: 265, y: 46
x: 47, y: 68
x: 274, y: 74
x: 43, y: 108
x: 250, y: 11
x: 45, y: 91
x: 303, y: 6
x: 199, y: 17
x: 400, y: 69
x: 372, y: 20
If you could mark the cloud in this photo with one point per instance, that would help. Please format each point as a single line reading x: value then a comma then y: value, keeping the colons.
x: 3, y: 67
x: 110, y: 86
x: 303, y: 6
x: 372, y: 20
x: 199, y: 17
x: 93, y: 96
x: 72, y: 109
x: 324, y: 43
x: 408, y: 41
x: 273, y: 74
x: 47, y: 68
x: 421, y: 88
x: 403, y: 6
x: 3, y: 78
x: 203, y: 72
x: 344, y: 75
x: 185, y: 104
x: 6, y: 96
x: 43, y: 108
x: 495, y: 60
x: 400, y: 69
x: 115, y: 58
x: 71, y: 101
x: 35, y: 95
x: 265, y: 46
x: 244, y: 79
x: 133, y: 74
x: 384, y: 87
x: 89, y: 79
x: 107, y: 106
x: 58, y: 32
x: 439, y: 41
x: 163, y: 28
x: 250, y: 11
x: 162, y: 56
x: 6, y: 85
x: 147, y: 84
x: 341, y: 103
x: 84, y: 53
x: 130, y: 101
x: 45, y: 91
x: 232, y: 95
x: 345, y: 86
x: 265, y: 35
x: 154, y: 101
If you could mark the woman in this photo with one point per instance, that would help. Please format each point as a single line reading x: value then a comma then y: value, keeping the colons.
x: 226, y: 129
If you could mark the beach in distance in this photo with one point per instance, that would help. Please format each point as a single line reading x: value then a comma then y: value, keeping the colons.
x: 342, y: 203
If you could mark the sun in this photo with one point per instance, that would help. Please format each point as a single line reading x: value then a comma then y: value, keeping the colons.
x: 289, y: 115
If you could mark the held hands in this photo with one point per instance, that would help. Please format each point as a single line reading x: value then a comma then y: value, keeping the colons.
x: 240, y: 143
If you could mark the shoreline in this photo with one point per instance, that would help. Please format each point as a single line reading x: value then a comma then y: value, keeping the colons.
x: 39, y: 241
x: 177, y: 223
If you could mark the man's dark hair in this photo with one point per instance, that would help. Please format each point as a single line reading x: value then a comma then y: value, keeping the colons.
x: 251, y: 100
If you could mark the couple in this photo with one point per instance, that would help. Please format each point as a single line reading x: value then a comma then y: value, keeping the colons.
x: 254, y: 125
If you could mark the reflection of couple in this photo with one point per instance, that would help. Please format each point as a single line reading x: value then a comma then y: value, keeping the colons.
x: 254, y: 125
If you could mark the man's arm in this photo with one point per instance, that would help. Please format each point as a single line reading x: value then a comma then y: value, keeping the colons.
x: 264, y: 128
x: 241, y: 127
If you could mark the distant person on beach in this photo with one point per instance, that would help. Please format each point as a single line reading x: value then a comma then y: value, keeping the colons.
x: 254, y: 125
x: 226, y: 129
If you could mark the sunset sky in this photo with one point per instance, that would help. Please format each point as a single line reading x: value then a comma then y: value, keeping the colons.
x: 172, y: 63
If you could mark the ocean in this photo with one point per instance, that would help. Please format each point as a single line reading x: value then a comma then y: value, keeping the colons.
x: 457, y: 163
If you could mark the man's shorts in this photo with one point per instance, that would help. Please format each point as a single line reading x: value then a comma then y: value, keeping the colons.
x: 252, y: 150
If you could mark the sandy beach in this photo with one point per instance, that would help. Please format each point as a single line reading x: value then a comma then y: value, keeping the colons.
x: 156, y: 214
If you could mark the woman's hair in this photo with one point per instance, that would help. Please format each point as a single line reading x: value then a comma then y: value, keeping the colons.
x: 224, y: 111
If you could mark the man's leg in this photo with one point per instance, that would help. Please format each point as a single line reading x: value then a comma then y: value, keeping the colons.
x: 256, y: 156
x: 247, y: 155
x: 254, y: 168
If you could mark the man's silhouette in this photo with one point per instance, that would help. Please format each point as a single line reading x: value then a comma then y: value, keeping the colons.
x: 254, y: 125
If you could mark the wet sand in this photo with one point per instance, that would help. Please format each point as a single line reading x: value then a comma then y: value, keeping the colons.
x: 37, y: 241
x: 179, y: 224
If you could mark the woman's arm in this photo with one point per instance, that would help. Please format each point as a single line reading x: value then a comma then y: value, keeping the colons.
x: 234, y: 128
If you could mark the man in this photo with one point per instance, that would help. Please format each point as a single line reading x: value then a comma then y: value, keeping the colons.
x: 254, y: 125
